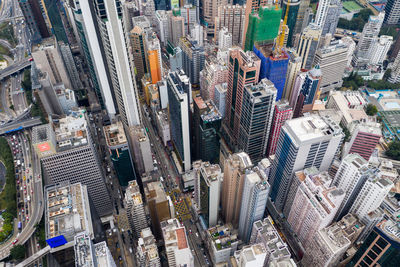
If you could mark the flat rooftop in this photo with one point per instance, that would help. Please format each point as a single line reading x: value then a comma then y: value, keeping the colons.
x: 83, y: 248
x: 155, y: 190
x: 174, y: 234
x: 115, y: 134
x: 132, y: 194
x: 222, y: 237
x: 209, y: 112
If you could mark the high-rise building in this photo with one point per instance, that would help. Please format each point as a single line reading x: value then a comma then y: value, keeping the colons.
x: 222, y: 242
x: 364, y: 139
x: 135, y: 208
x: 206, y: 126
x: 89, y: 254
x: 302, y: 18
x: 141, y: 149
x: 159, y: 206
x: 314, y: 205
x: 175, y: 59
x: 67, y: 153
x: 179, y: 95
x: 309, y: 92
x: 235, y: 168
x: 351, y: 47
x: 109, y: 19
x: 197, y: 34
x: 263, y: 26
x: 138, y: 44
x: 130, y: 9
x: 273, y: 66
x: 177, y: 29
x: 264, y: 232
x: 297, y: 85
x: 392, y: 12
x: 224, y: 39
x: 86, y: 25
x: 248, y: 64
x: 154, y: 57
x: 190, y: 14
x: 162, y: 4
x: 332, y: 62
x: 251, y: 6
x: 208, y: 12
x: 395, y: 75
x: 351, y: 175
x: 371, y: 195
x: 210, y: 179
x: 370, y: 32
x: 120, y: 155
x: 311, y: 141
x: 328, y: 14
x: 147, y: 252
x: 292, y: 16
x: 255, y: 123
x: 379, y: 49
x: 233, y: 18
x: 70, y: 66
x: 255, y: 195
x: 282, y: 113
x: 214, y: 72
x: 308, y: 45
x: 163, y: 20
x: 251, y: 256
x: 293, y: 68
x: 35, y: 14
x: 176, y: 244
x: 220, y: 97
x: 193, y: 59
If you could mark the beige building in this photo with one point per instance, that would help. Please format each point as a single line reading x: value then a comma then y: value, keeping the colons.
x: 210, y: 11
x: 232, y: 17
x: 138, y: 38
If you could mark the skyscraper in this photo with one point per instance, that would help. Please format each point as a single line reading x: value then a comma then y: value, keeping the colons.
x: 255, y: 194
x: 308, y: 45
x: 135, y: 208
x: 233, y: 18
x: 67, y: 153
x: 282, y: 113
x: 248, y: 64
x: 309, y: 92
x: 208, y: 12
x: 327, y: 16
x: 392, y: 12
x: 311, y: 141
x: 294, y: 6
x: 154, y: 58
x: 179, y: 95
x: 176, y: 29
x: 193, y: 60
x: 109, y: 19
x: 251, y: 6
x: 255, y: 123
x: 138, y: 44
x: 235, y: 168
x: 33, y: 12
x: 147, y: 252
x: 293, y: 68
x: 214, y: 72
x: 224, y: 39
x: 379, y: 49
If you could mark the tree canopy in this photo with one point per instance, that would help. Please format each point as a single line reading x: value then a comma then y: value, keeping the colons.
x: 357, y: 22
x: 393, y: 151
x: 371, y: 109
x: 17, y: 252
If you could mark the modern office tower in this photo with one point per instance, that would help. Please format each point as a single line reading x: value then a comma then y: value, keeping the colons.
x: 302, y: 18
x: 141, y: 149
x: 364, y: 139
x: 224, y: 38
x: 222, y: 242
x: 311, y: 141
x: 263, y: 26
x: 308, y: 45
x: 66, y: 213
x: 208, y: 12
x: 220, y: 97
x: 147, y: 252
x: 292, y: 15
x: 120, y: 155
x: 193, y: 59
x: 179, y: 95
x: 159, y: 206
x: 309, y: 92
x: 351, y: 47
x: 206, y: 126
x: 177, y: 30
x: 298, y: 84
x: 250, y: 256
x: 255, y: 122
x: 210, y: 182
x: 68, y: 154
x: 332, y: 10
x: 248, y: 64
x: 282, y: 112
x: 176, y: 244
x: 321, y: 13
x: 255, y: 195
x: 314, y: 205
x: 138, y: 43
x: 381, y: 247
x: 233, y: 18
x: 197, y: 34
x: 70, y: 65
x: 48, y: 59
x: 214, y: 72
x: 379, y: 49
x: 85, y: 21
x: 392, y: 12
x: 351, y: 175
x: 162, y: 4
x: 371, y: 195
x: 89, y: 254
x: 154, y: 58
x: 235, y: 168
x: 135, y: 208
x: 33, y: 13
x: 163, y: 20
x: 109, y: 19
x: 293, y: 68
x: 332, y: 62
x: 370, y: 32
x: 264, y: 232
x: 175, y: 59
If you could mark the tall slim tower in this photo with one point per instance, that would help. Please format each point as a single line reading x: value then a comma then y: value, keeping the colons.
x: 135, y: 208
x: 293, y: 6
x: 392, y: 12
x: 251, y: 7
x: 233, y: 18
x: 308, y: 45
x: 310, y: 141
x: 235, y: 168
x: 208, y: 12
x: 109, y: 19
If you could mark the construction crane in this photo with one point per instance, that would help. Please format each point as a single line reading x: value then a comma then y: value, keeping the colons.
x: 283, y: 30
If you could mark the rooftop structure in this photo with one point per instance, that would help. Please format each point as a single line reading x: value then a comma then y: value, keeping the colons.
x: 249, y: 256
x: 88, y: 254
x: 147, y: 252
x: 222, y: 242
x: 115, y: 135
